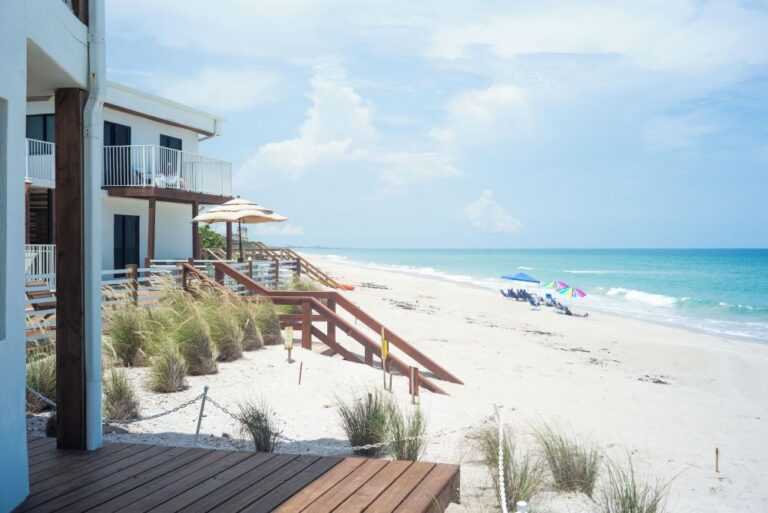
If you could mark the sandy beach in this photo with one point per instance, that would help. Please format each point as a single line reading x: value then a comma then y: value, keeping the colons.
x: 666, y: 396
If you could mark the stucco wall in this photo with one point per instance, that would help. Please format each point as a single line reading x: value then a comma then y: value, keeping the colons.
x: 14, y: 480
x: 173, y: 239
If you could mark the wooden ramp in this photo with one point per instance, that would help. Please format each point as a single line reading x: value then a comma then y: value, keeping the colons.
x: 135, y: 478
x: 321, y: 308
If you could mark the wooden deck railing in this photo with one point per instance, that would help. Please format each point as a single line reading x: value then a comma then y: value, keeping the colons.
x: 322, y: 307
x: 305, y: 267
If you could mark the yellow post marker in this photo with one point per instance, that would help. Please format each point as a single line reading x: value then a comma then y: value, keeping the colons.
x: 288, y: 341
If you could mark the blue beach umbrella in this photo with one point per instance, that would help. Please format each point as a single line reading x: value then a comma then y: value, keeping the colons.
x: 520, y: 277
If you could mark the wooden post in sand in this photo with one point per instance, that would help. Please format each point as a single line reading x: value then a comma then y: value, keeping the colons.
x: 413, y: 383
x: 717, y: 460
x: 132, y: 275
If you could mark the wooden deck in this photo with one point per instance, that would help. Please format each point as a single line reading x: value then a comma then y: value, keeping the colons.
x: 138, y: 478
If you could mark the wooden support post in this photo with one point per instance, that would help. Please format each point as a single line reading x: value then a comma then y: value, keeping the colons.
x: 70, y: 271
x: 196, y: 250
x: 151, y: 229
x: 133, y: 281
x: 229, y: 241
x: 368, y: 357
x: 27, y: 213
x: 183, y: 276
x: 306, y: 325
x: 218, y: 275
x: 52, y: 215
x: 331, y: 326
x: 147, y: 265
x: 298, y: 268
x: 413, y: 383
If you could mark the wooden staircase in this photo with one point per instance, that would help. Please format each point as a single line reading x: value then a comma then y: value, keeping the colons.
x: 321, y: 308
x: 261, y: 251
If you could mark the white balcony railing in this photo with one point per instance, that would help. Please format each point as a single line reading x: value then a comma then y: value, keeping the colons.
x: 40, y: 259
x: 155, y: 166
x: 41, y: 163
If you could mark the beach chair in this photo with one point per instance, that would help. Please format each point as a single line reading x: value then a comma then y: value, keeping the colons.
x: 505, y: 294
x: 534, y: 304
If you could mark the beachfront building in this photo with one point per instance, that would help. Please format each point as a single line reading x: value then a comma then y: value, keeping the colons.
x: 153, y: 180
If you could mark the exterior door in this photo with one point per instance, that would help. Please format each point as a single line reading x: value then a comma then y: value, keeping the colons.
x: 118, y: 169
x: 126, y: 240
x: 170, y: 162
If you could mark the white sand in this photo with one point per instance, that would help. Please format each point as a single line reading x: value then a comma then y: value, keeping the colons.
x: 593, y: 377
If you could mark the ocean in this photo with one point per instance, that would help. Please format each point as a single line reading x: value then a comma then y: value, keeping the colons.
x: 720, y: 291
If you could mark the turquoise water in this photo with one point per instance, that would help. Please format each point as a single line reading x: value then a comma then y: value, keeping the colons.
x: 723, y: 291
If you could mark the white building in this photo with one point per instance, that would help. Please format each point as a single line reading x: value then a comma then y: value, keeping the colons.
x: 124, y: 166
x: 153, y: 178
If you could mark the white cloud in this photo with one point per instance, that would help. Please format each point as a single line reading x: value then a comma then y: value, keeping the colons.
x: 294, y: 156
x: 405, y: 168
x: 483, y: 115
x: 486, y: 215
x: 276, y: 229
x: 219, y: 88
x: 677, y: 133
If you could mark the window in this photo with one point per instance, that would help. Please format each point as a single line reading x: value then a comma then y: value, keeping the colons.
x: 41, y: 127
x: 174, y: 143
x: 116, y: 134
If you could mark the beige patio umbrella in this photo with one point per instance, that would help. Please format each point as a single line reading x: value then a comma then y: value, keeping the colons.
x: 240, y: 211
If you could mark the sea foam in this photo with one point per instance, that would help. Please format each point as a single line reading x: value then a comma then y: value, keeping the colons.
x: 644, y: 297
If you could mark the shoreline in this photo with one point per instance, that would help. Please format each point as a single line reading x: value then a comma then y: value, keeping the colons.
x: 472, y: 282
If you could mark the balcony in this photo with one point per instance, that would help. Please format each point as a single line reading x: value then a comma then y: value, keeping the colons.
x: 165, y: 168
x: 41, y: 163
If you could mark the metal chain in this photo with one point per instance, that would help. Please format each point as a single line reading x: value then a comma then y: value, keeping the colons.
x: 41, y: 397
x: 222, y: 408
x: 158, y: 415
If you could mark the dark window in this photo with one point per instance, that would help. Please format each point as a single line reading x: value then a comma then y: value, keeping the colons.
x: 116, y: 134
x: 41, y: 127
x: 166, y: 141
x: 126, y: 240
x: 117, y: 161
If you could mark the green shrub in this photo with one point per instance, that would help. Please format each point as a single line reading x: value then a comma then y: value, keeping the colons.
x: 220, y: 312
x: 167, y: 369
x: 246, y: 316
x: 120, y: 402
x: 194, y: 342
x: 267, y: 321
x: 302, y: 285
x: 622, y: 492
x: 365, y: 421
x: 258, y: 421
x: 407, y: 430
x: 126, y: 327
x: 523, y: 473
x: 574, y: 466
x: 41, y: 377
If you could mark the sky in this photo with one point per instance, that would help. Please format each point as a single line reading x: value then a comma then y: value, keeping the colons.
x: 488, y: 124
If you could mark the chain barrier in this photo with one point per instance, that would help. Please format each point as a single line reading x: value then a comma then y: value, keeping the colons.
x: 157, y: 415
x: 41, y: 397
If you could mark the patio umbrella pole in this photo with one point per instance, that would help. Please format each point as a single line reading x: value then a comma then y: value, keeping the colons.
x: 240, y: 238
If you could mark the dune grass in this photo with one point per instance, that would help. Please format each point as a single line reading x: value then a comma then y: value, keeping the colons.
x: 220, y: 312
x: 623, y: 492
x: 246, y: 317
x: 258, y: 421
x: 126, y: 327
x: 194, y: 342
x: 41, y: 376
x: 574, y: 465
x: 407, y: 429
x: 120, y: 401
x: 523, y: 472
x: 267, y: 321
x: 365, y: 421
x: 167, y: 369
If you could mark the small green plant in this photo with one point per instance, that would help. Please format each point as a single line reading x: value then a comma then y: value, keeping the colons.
x: 622, y: 492
x: 195, y: 344
x: 259, y: 422
x: 41, y: 377
x: 126, y: 327
x: 120, y: 402
x: 407, y: 430
x: 365, y: 421
x: 220, y: 313
x: 302, y: 285
x: 167, y: 369
x: 574, y: 465
x: 523, y: 473
x: 267, y: 322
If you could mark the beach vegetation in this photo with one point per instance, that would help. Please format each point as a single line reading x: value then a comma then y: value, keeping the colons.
x: 258, y: 421
x: 41, y: 377
x: 573, y: 465
x: 194, y: 341
x: 523, y: 471
x: 210, y: 239
x: 126, y: 327
x: 167, y: 369
x: 407, y: 430
x: 267, y: 321
x: 623, y: 492
x: 365, y: 421
x: 120, y: 399
x: 220, y: 313
x: 246, y: 317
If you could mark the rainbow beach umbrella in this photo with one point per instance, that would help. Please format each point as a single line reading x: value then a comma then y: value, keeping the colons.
x: 555, y: 284
x: 572, y: 292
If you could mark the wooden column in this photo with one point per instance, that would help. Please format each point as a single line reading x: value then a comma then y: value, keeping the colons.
x: 229, y: 241
x: 331, y: 303
x: 52, y: 215
x: 151, y: 229
x: 196, y: 249
x: 70, y: 270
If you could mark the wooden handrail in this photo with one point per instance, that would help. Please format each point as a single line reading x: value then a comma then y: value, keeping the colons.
x: 304, y: 266
x: 354, y: 310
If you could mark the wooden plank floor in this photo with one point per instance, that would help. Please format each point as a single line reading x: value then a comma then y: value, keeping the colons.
x: 141, y: 478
